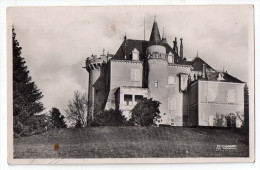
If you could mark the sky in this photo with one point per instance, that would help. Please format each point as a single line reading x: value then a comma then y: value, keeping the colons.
x: 56, y: 41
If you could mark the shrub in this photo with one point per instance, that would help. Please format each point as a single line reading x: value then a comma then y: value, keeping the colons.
x: 145, y: 112
x: 109, y: 118
x: 34, y: 125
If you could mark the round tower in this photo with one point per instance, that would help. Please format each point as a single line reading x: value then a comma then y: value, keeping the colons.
x: 94, y: 65
x: 157, y: 69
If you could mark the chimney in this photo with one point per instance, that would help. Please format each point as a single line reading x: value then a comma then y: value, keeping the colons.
x: 203, y: 71
x: 175, y: 47
x: 181, y: 49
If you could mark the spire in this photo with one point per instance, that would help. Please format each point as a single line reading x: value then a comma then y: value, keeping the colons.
x: 197, y: 54
x: 125, y: 38
x: 125, y: 45
x: 164, y: 40
x: 155, y: 34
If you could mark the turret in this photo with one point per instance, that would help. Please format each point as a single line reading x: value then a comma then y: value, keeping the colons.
x: 95, y: 66
x: 155, y: 48
x: 157, y: 68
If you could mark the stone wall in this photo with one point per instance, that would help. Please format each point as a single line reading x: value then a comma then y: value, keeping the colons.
x: 120, y: 75
x: 218, y: 101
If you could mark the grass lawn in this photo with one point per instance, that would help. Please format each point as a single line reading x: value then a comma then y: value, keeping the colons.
x: 132, y: 142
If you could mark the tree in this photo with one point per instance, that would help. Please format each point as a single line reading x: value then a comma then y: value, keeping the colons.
x: 245, y: 125
x: 145, y: 112
x: 77, y: 109
x: 26, y: 95
x: 57, y: 119
x: 110, y: 118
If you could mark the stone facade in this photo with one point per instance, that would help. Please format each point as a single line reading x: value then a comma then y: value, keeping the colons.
x: 153, y: 69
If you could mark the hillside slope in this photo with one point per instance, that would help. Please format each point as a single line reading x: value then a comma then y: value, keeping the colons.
x: 132, y: 142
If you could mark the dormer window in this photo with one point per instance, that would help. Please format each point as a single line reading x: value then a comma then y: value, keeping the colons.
x: 220, y: 76
x: 135, y: 54
x: 170, y: 58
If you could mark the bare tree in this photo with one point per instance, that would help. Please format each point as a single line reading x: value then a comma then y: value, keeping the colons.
x: 77, y: 109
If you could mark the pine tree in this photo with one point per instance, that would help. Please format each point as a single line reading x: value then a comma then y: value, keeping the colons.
x: 58, y: 120
x: 26, y: 95
x: 245, y: 125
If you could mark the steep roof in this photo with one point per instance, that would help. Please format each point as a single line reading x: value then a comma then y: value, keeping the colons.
x: 141, y: 45
x: 155, y: 37
x: 213, y: 76
x: 129, y: 45
x: 197, y: 64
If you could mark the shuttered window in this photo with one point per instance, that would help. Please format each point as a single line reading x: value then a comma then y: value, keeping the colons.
x: 231, y: 96
x: 135, y: 75
x: 171, y: 103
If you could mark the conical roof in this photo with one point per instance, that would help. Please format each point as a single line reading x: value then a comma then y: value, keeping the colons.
x: 155, y: 37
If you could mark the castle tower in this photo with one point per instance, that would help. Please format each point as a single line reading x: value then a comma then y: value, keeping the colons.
x: 157, y: 69
x: 96, y: 93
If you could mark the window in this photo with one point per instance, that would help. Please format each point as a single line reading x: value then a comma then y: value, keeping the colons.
x: 128, y: 99
x: 231, y: 96
x: 156, y: 84
x: 172, y: 103
x: 138, y: 98
x: 183, y: 82
x: 220, y: 76
x: 135, y: 75
x: 172, y: 122
x: 135, y: 54
x: 171, y: 79
x: 170, y: 57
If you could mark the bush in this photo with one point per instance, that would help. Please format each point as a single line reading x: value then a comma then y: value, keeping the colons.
x: 145, y: 112
x: 109, y: 118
